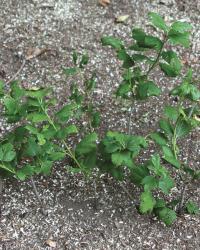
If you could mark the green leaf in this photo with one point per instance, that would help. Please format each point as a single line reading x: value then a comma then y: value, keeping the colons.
x: 160, y: 203
x: 147, y: 202
x: 166, y: 184
x: 128, y: 62
x: 173, y: 66
x: 158, y: 21
x: 166, y: 127
x: 75, y: 57
x: 46, y: 167
x: 171, y: 113
x: 57, y: 156
x: 138, y: 174
x: 70, y: 71
x: 152, y: 42
x: 138, y: 34
x: 25, y: 172
x: 96, y: 119
x: 11, y: 105
x: 113, y: 42
x: 84, y: 60
x: 167, y: 215
x: 187, y: 90
x: 16, y: 91
x: 178, y: 38
x: 91, y: 83
x: 37, y: 117
x: 66, y: 112
x: 135, y: 142
x: 192, y: 208
x: 32, y: 148
x: 150, y: 183
x: 1, y: 89
x: 37, y: 92
x: 87, y: 144
x: 169, y: 157
x: 122, y: 159
x: 124, y: 89
x: 156, y: 167
x: 147, y: 89
x: 159, y: 138
x: 7, y: 152
x: 181, y: 26
x: 183, y: 128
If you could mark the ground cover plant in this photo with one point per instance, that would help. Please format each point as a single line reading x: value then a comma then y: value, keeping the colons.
x: 41, y: 133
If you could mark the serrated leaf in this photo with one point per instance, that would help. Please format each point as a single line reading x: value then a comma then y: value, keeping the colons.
x: 122, y: 159
x: 113, y: 42
x: 158, y: 21
x: 178, y: 38
x: 166, y: 127
x: 181, y: 26
x: 16, y: 91
x: 152, y: 42
x: 25, y: 172
x: 70, y: 71
x: 46, y: 167
x: 57, y: 156
x: 150, y: 183
x: 127, y: 60
x: 37, y: 117
x: 192, y: 208
x: 167, y: 215
x: 11, y: 105
x: 166, y: 184
x: 7, y: 152
x: 183, y: 128
x: 156, y: 167
x: 123, y: 89
x: 66, y: 112
x: 159, y: 138
x: 173, y: 66
x: 87, y: 144
x: 147, y: 202
x: 169, y: 157
x: 84, y: 60
x: 95, y: 119
x: 160, y: 203
x: 147, y: 89
x: 138, y: 174
x: 171, y: 112
x: 75, y: 57
x: 138, y: 34
x: 1, y: 89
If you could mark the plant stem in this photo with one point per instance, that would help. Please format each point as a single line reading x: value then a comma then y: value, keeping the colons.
x: 1, y: 192
x: 68, y: 151
x: 180, y: 207
x: 157, y: 58
x: 129, y: 119
x: 38, y: 196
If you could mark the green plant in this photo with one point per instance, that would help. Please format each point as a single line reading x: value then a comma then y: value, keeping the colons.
x: 40, y: 131
x: 151, y: 50
x: 156, y: 174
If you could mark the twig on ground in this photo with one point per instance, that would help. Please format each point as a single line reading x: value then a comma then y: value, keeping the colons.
x: 38, y: 196
x: 17, y: 73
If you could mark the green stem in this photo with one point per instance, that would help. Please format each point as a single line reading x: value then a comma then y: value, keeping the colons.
x: 158, y: 57
x: 68, y: 151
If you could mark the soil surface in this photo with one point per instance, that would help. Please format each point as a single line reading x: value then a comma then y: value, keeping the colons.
x: 85, y: 214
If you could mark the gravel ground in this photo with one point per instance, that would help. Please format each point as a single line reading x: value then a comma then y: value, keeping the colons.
x: 78, y: 217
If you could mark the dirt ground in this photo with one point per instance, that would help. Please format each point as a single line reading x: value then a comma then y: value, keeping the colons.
x: 78, y: 217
